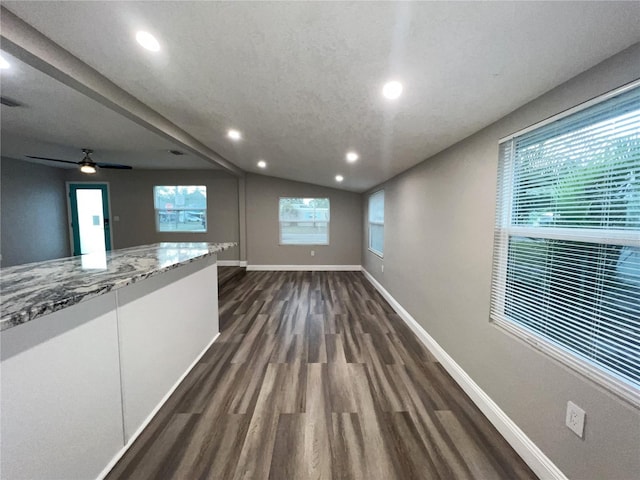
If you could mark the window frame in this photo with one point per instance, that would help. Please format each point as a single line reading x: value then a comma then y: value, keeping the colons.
x: 505, y: 229
x: 205, y: 211
x: 280, y: 243
x: 369, y: 223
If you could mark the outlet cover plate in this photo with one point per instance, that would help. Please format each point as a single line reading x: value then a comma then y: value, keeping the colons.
x: 575, y: 419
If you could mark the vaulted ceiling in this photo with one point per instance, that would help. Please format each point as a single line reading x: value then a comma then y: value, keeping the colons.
x: 302, y: 81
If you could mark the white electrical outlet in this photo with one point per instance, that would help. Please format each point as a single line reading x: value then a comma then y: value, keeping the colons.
x: 382, y: 268
x: 313, y: 253
x: 575, y: 419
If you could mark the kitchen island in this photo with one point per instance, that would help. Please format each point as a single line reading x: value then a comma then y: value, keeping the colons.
x: 91, y: 346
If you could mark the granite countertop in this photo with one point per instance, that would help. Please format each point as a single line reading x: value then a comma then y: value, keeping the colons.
x: 35, y: 289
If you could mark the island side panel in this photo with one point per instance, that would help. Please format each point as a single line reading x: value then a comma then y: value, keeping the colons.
x: 61, y: 407
x: 164, y: 323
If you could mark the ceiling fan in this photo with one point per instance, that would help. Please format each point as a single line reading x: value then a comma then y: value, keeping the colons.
x: 87, y: 165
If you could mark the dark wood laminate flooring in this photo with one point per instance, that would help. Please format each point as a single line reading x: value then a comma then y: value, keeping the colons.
x: 227, y: 273
x: 315, y: 377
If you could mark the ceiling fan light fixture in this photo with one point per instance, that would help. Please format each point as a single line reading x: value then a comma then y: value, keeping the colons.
x: 87, y: 165
x: 88, y: 168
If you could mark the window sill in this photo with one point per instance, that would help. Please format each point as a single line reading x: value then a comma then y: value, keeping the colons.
x: 375, y: 252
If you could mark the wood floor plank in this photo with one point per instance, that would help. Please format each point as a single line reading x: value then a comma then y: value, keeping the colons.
x: 213, y: 450
x: 347, y: 448
x: 479, y: 464
x: 245, y: 394
x: 335, y: 349
x: 352, y: 345
x: 375, y: 450
x: 388, y: 390
x: 341, y: 387
x: 169, y: 447
x: 318, y: 423
x: 409, y: 454
x: 288, y: 460
x: 256, y: 454
x: 315, y: 377
x: 317, y: 347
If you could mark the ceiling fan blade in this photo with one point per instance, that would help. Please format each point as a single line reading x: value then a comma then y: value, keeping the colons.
x: 51, y: 159
x: 113, y: 165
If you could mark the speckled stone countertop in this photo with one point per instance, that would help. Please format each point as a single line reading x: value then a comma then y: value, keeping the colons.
x: 35, y: 289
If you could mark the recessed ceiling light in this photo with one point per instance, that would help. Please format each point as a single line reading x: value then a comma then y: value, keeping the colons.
x: 234, y: 134
x: 4, y: 64
x: 352, y: 157
x: 148, y: 41
x: 392, y: 90
x: 339, y: 178
x: 262, y: 164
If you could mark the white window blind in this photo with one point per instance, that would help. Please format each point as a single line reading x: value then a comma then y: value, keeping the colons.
x: 566, y: 271
x: 376, y: 222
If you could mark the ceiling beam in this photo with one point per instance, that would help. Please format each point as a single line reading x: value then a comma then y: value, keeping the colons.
x: 35, y: 49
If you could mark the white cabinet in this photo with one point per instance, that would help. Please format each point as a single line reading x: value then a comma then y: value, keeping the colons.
x: 77, y: 384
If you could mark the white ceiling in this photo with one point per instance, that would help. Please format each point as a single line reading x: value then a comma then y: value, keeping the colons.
x: 302, y: 80
x: 57, y: 121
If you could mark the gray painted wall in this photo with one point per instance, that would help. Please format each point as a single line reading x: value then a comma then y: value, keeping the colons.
x: 131, y: 193
x: 439, y: 219
x: 345, y: 231
x: 33, y: 223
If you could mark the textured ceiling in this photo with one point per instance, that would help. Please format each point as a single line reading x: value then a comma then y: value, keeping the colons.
x: 302, y: 80
x: 57, y: 121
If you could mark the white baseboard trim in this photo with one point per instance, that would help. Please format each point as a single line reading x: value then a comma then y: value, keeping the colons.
x: 243, y: 263
x: 153, y: 413
x: 228, y: 263
x: 521, y: 443
x: 305, y: 268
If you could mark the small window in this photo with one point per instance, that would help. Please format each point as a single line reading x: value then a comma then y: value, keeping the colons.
x: 304, y: 221
x: 376, y: 223
x: 180, y: 208
x: 566, y: 272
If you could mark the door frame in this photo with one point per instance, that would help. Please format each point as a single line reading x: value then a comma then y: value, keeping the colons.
x: 70, y: 216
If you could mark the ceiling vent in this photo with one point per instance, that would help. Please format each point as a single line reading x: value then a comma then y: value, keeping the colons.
x: 176, y: 152
x: 9, y: 103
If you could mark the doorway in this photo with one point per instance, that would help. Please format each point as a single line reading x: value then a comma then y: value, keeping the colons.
x: 89, y: 212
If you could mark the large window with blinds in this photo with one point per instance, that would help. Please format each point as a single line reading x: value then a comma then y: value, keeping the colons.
x: 566, y: 272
